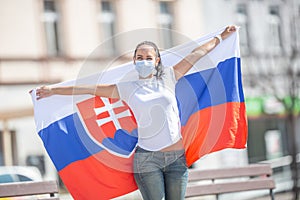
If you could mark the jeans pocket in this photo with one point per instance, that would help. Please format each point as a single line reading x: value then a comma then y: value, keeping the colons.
x: 140, y: 162
x: 182, y: 160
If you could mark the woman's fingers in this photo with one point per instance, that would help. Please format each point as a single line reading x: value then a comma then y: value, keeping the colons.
x: 228, y: 31
x: 43, y: 92
x: 232, y: 28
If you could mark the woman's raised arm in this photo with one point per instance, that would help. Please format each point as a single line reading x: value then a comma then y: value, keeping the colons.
x: 109, y: 91
x: 187, y: 63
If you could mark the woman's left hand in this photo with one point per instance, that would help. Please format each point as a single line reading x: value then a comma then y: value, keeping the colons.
x: 228, y: 31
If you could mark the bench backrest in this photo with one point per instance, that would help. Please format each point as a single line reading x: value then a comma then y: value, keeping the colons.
x: 28, y: 188
x: 245, y: 171
x: 258, y: 177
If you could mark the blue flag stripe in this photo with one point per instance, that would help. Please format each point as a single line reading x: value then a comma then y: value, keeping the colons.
x: 66, y: 141
x: 210, y: 87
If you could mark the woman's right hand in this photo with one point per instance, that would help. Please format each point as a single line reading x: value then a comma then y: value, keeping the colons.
x: 43, y: 91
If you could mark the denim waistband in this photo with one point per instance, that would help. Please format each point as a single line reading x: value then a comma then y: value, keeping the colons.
x: 141, y: 150
x: 149, y: 161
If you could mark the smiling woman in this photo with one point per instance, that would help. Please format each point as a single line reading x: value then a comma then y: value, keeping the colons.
x: 147, y: 53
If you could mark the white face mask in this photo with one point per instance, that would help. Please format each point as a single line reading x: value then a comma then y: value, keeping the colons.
x: 144, y: 67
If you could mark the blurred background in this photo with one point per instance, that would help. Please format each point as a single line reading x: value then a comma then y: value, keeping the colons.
x: 48, y: 41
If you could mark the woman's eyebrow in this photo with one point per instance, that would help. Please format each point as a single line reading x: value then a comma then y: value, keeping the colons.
x: 141, y: 56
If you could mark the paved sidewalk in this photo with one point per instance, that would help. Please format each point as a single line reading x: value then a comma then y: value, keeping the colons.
x: 278, y: 196
x: 136, y: 196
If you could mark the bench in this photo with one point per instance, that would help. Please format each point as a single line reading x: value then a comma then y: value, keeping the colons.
x: 30, y: 188
x: 237, y: 179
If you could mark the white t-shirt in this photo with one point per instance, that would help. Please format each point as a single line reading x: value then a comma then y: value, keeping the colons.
x: 154, y: 106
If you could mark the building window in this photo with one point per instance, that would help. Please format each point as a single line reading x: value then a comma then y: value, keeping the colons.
x: 274, y: 35
x: 242, y: 21
x: 51, y: 21
x: 165, y: 20
x: 107, y: 19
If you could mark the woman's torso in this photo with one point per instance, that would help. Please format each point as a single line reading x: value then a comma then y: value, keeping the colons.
x: 154, y: 105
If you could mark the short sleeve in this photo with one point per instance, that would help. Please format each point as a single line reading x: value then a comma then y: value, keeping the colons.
x: 170, y: 74
x: 124, y: 90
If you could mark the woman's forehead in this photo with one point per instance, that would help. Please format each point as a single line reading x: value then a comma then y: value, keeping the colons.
x: 145, y: 49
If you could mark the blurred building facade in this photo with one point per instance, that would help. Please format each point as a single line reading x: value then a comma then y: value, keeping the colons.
x: 271, y: 72
x: 48, y: 41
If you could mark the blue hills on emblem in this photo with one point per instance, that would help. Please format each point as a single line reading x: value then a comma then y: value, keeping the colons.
x: 123, y: 142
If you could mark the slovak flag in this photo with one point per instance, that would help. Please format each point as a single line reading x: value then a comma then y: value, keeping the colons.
x: 91, y: 140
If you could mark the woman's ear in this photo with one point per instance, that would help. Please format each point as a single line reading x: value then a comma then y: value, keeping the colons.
x: 157, y: 61
x: 133, y: 60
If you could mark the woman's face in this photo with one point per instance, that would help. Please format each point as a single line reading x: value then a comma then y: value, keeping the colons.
x: 146, y: 52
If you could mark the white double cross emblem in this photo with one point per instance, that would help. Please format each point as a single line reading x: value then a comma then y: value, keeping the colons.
x: 109, y: 107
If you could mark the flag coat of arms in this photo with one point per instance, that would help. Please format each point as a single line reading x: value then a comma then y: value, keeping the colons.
x: 91, y: 140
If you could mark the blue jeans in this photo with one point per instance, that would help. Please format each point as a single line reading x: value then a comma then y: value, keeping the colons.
x: 160, y: 175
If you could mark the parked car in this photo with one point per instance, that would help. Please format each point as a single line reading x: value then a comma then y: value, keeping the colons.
x: 10, y: 174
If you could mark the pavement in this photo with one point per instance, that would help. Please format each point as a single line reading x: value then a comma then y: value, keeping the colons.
x: 278, y: 196
x: 137, y: 196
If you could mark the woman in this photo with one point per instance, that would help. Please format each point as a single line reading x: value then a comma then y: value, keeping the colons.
x: 160, y: 167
